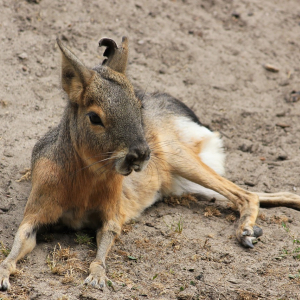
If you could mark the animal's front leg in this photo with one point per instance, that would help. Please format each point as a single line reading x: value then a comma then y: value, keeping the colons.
x: 105, y: 239
x: 24, y: 242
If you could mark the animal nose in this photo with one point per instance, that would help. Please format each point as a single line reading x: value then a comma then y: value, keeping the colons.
x: 138, y: 154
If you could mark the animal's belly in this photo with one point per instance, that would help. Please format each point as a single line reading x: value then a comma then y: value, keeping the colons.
x: 88, y: 219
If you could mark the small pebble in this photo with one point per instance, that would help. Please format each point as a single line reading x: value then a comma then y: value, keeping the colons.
x: 280, y: 114
x: 294, y: 96
x: 271, y: 68
x: 282, y: 157
x: 235, y: 15
x: 64, y: 38
x: 23, y: 55
x: 199, y: 277
x: 284, y: 82
x: 233, y: 280
x: 282, y: 125
x: 7, y: 153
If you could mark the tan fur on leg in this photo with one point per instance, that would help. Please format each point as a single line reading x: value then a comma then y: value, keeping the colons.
x: 279, y: 199
x: 105, y: 239
x: 24, y: 242
x: 247, y: 203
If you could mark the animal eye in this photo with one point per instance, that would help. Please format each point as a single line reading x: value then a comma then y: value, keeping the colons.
x: 95, y: 119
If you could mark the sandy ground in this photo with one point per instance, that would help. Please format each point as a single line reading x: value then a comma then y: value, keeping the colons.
x: 211, y: 55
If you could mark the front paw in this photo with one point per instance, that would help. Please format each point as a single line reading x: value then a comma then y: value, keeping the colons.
x: 246, y: 236
x: 97, y: 276
x: 4, y: 279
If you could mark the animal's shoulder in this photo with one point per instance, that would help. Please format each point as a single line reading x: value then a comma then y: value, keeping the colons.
x: 55, y: 145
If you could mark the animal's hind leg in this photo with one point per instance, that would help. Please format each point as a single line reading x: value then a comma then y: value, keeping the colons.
x: 279, y: 199
x: 188, y: 165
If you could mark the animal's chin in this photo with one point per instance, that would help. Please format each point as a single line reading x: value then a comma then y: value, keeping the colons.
x: 125, y: 171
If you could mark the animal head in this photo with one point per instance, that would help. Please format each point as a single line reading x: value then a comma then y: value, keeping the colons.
x: 106, y: 120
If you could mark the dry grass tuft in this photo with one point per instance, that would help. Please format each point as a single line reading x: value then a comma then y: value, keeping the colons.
x: 232, y: 206
x: 276, y: 271
x: 3, y: 104
x: 142, y: 243
x: 26, y: 175
x: 184, y: 200
x: 3, y: 250
x: 211, y: 211
x: 262, y: 217
x: 231, y: 218
x: 122, y: 253
x: 244, y: 295
x: 127, y: 228
x: 4, y: 296
x: 158, y: 286
x: 278, y: 219
x: 64, y: 262
x: 84, y: 239
x: 17, y: 292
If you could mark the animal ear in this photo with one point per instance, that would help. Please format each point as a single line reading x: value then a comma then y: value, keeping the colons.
x: 116, y: 57
x: 75, y: 76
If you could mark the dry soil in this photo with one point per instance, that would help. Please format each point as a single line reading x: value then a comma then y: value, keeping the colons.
x: 212, y: 55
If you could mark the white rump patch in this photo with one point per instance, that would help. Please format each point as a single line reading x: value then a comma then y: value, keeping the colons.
x: 211, y: 153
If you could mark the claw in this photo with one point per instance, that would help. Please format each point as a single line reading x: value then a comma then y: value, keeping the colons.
x: 248, y: 235
x: 101, y: 285
x: 5, y: 286
x: 93, y: 283
x: 247, y: 232
x: 87, y: 280
x: 97, y: 283
x: 247, y: 241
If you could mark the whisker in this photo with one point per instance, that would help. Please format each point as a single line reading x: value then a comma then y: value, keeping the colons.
x: 103, y: 167
x: 157, y: 171
x: 97, y: 162
x: 170, y: 153
x: 149, y: 169
x: 184, y: 158
x: 162, y: 143
x: 102, y: 154
x: 163, y: 160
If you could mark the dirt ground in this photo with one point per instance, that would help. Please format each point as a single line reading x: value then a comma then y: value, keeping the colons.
x: 211, y: 54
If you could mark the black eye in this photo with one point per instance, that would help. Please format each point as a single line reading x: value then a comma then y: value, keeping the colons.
x: 95, y: 119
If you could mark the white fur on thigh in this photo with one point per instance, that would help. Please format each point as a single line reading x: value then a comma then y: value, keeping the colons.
x: 212, y: 154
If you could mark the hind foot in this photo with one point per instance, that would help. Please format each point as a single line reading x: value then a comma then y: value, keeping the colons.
x: 246, y: 236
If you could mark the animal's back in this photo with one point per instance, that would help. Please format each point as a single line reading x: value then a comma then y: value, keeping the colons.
x: 169, y: 114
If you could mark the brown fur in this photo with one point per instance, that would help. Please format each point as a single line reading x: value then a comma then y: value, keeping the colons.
x: 78, y: 167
